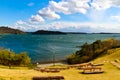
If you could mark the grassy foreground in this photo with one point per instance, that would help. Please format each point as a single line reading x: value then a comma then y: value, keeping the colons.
x: 111, y: 72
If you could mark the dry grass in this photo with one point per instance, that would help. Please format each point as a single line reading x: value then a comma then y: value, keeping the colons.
x: 111, y: 72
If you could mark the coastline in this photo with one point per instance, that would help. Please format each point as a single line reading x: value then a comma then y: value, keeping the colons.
x: 49, y: 62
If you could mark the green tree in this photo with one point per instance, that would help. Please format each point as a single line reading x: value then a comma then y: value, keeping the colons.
x: 91, y: 51
x: 11, y: 58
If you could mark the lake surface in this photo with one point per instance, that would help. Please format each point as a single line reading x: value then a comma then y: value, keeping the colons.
x: 43, y: 47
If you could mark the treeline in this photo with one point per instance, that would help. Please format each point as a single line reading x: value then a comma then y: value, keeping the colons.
x: 91, y: 51
x: 10, y: 58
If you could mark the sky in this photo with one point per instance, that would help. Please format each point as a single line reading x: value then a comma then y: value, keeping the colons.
x: 61, y: 15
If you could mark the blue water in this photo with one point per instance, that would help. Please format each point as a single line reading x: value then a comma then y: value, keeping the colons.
x: 42, y: 47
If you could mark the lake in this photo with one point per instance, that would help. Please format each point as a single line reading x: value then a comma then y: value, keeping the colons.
x: 43, y: 47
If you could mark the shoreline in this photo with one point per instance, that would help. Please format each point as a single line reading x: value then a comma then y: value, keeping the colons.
x: 49, y: 62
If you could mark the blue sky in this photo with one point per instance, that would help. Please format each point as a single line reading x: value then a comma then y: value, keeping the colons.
x: 61, y: 15
x: 13, y: 10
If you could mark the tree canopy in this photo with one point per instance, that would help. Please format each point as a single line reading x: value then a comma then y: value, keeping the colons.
x: 91, y: 51
x: 11, y: 58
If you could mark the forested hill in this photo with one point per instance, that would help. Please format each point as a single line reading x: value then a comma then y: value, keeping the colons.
x: 7, y: 30
x: 89, y: 52
x: 48, y: 32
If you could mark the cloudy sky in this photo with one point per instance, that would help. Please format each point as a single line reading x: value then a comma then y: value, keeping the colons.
x: 61, y: 15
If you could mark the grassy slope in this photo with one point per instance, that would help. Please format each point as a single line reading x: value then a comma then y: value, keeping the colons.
x: 111, y: 72
x: 111, y: 54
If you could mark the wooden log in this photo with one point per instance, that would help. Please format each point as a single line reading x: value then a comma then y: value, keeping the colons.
x: 49, y: 78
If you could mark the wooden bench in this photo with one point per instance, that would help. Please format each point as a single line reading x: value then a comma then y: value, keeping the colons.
x: 48, y: 78
x: 92, y: 70
x: 51, y: 70
x: 85, y: 65
x: 89, y: 65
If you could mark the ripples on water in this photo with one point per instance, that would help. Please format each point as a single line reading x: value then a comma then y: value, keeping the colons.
x: 42, y: 47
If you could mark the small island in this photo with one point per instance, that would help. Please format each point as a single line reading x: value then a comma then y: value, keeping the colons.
x: 48, y: 32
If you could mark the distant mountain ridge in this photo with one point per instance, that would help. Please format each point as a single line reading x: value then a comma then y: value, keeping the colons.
x: 7, y: 30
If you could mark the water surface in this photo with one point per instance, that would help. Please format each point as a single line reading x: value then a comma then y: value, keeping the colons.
x: 43, y: 47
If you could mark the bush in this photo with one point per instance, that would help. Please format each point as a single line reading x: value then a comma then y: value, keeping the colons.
x: 11, y: 58
x: 91, y: 51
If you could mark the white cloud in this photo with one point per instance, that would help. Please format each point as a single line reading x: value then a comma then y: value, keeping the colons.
x: 70, y: 26
x: 115, y: 18
x: 105, y: 4
x: 59, y: 7
x: 65, y: 6
x: 30, y: 4
x: 85, y: 27
x: 53, y: 10
x: 48, y: 13
x: 20, y: 22
x: 36, y: 18
x: 20, y: 25
x: 70, y: 6
x: 96, y: 12
x: 28, y: 26
x: 101, y: 4
x: 116, y: 3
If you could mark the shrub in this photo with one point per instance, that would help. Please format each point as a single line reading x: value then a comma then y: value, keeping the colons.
x: 11, y: 58
x: 91, y: 51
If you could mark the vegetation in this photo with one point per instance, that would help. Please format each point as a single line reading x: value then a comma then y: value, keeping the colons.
x: 7, y: 30
x: 23, y: 73
x: 9, y: 58
x: 48, y: 32
x: 91, y: 51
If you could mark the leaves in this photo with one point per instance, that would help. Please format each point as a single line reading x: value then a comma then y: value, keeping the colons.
x: 91, y: 51
x: 9, y: 57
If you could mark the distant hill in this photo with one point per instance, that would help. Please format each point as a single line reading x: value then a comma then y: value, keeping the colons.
x: 47, y: 32
x: 7, y: 30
